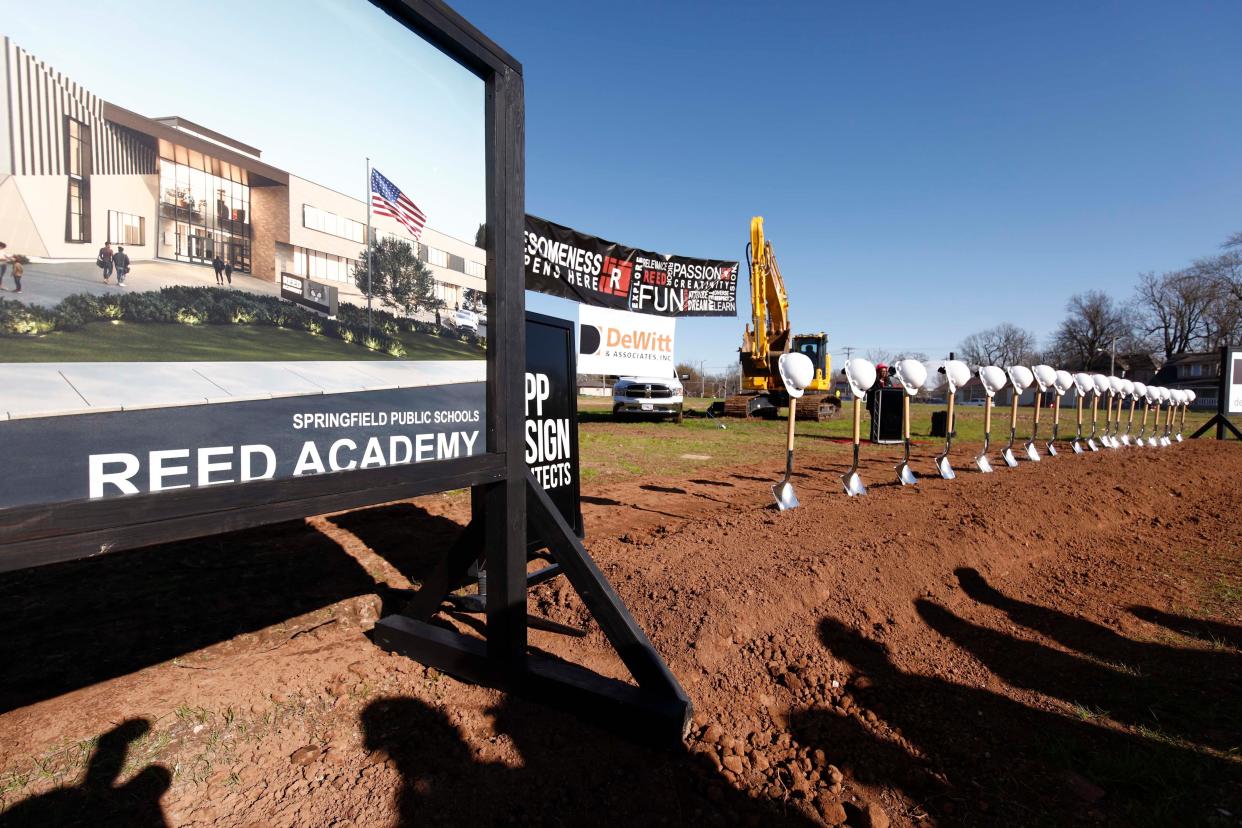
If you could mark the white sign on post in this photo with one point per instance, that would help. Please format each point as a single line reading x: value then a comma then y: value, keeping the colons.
x: 624, y: 343
x: 1234, y: 388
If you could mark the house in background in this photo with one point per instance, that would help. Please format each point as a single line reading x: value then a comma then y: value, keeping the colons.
x: 1198, y: 371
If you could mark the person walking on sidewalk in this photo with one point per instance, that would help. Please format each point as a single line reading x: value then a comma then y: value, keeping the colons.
x: 120, y: 259
x: 19, y: 267
x: 217, y: 264
x: 228, y: 271
x: 105, y: 260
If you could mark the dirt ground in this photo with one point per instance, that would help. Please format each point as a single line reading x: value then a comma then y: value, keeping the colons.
x: 1057, y: 644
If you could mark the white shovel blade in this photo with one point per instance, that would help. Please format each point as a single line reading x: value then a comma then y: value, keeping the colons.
x: 905, y: 475
x: 1009, y: 458
x: 984, y: 464
x: 1125, y: 439
x: 1032, y: 453
x: 785, y: 497
x: 853, y: 484
x: 1091, y: 445
x: 1179, y: 437
x: 946, y: 470
x: 1077, y: 447
x: 1051, y: 448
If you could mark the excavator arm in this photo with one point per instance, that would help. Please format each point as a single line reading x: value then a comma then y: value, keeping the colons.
x: 768, y: 331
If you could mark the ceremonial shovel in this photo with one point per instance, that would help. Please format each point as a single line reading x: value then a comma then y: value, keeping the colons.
x: 911, y: 374
x: 1082, y: 386
x: 1044, y: 375
x: 861, y: 376
x: 993, y: 380
x: 957, y: 374
x: 796, y: 371
x: 1061, y: 384
x: 1020, y: 378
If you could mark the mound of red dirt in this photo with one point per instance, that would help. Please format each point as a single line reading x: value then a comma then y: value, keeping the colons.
x: 1052, y: 644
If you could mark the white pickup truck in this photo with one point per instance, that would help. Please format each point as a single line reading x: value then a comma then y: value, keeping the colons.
x: 647, y: 397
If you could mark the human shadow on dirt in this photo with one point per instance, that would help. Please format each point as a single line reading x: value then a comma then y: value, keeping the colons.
x: 409, y: 537
x: 560, y: 771
x: 1210, y: 631
x: 976, y: 757
x: 1195, y: 694
x: 73, y: 624
x: 98, y: 800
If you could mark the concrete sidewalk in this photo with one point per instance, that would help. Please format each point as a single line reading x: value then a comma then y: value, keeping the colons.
x: 47, y: 283
x: 62, y: 388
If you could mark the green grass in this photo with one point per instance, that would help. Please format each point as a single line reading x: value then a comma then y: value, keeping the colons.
x: 613, y: 448
x: 169, y: 342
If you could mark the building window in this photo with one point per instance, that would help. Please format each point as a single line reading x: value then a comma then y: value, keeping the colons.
x: 77, y: 148
x: 315, y: 219
x: 316, y: 265
x: 204, y: 208
x: 1196, y: 370
x: 78, y: 224
x: 126, y: 229
x: 436, y: 257
x: 78, y: 196
x: 476, y: 269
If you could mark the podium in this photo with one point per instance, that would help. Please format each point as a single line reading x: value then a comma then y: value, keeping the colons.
x: 886, y: 416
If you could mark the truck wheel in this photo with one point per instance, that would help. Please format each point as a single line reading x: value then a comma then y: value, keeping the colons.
x: 679, y: 417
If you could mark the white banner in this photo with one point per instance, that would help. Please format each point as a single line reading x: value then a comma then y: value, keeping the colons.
x: 1234, y: 366
x: 624, y: 343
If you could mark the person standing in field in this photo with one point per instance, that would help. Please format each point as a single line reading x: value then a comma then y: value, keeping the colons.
x: 105, y: 260
x: 228, y: 271
x: 4, y: 262
x: 217, y: 264
x: 120, y: 259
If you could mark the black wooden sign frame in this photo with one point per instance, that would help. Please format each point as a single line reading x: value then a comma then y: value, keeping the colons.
x: 503, y: 491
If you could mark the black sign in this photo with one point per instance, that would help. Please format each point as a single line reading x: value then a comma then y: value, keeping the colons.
x: 552, y: 413
x: 116, y: 454
x: 564, y: 262
x: 318, y: 297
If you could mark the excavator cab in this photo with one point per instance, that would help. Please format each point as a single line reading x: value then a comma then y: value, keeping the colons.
x: 815, y: 346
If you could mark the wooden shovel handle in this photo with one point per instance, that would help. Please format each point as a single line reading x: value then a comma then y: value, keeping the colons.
x: 1039, y: 403
x: 948, y: 428
x: 857, y: 420
x: 987, y: 415
x: 1056, y: 410
x: 905, y: 412
x: 1013, y: 411
x: 793, y: 414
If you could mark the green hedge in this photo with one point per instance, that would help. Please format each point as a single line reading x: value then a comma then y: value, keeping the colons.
x: 216, y: 306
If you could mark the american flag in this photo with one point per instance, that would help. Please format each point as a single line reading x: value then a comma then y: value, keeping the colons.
x: 388, y: 200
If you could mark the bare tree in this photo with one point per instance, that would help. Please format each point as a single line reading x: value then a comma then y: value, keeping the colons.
x: 877, y: 356
x: 1095, y: 322
x: 1004, y: 345
x: 1171, y: 309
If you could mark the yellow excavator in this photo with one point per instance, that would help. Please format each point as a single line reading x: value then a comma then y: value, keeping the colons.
x: 768, y: 336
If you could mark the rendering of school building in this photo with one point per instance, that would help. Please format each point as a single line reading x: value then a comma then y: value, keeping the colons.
x: 77, y: 171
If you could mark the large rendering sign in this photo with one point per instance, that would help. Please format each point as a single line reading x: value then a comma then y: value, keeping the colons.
x: 563, y: 262
x: 212, y: 308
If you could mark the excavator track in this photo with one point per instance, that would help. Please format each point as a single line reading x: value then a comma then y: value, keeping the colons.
x: 818, y: 407
x: 748, y: 406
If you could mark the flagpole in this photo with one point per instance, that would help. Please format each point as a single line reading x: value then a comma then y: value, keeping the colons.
x: 369, y: 253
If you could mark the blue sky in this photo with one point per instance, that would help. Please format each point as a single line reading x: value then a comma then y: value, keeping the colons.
x: 297, y: 79
x: 926, y: 170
